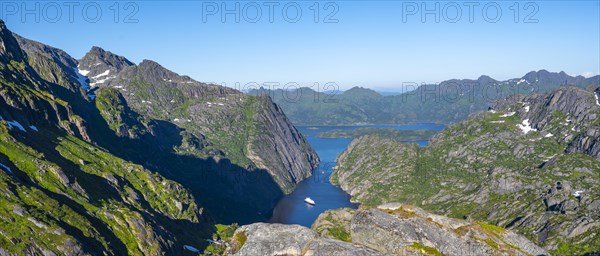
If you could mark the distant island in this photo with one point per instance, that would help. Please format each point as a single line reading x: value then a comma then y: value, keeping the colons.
x: 386, y: 133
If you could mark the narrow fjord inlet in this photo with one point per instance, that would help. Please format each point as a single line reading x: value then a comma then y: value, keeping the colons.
x: 292, y: 210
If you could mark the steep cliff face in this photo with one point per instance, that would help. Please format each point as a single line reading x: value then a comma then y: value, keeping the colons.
x: 374, y: 178
x: 530, y: 164
x: 277, y: 145
x: 582, y: 108
x: 393, y: 229
x: 29, y: 94
x: 9, y: 47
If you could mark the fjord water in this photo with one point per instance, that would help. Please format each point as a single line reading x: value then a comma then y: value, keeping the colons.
x: 291, y: 209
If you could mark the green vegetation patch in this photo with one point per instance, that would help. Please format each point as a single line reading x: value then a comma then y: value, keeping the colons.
x: 425, y: 249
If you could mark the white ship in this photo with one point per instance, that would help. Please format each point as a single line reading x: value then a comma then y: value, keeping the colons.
x: 309, y: 201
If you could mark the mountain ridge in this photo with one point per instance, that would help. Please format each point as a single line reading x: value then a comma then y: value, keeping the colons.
x: 446, y: 102
x: 529, y: 163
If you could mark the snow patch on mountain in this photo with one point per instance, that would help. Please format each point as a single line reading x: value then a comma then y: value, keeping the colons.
x: 101, y: 81
x: 525, y: 126
x: 105, y: 73
x: 522, y: 81
x: 83, y: 72
x: 82, y: 79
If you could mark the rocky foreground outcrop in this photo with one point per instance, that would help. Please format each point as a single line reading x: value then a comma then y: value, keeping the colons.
x: 279, y: 239
x: 392, y: 229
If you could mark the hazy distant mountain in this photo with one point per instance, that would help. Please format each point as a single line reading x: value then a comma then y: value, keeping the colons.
x: 447, y: 102
x: 389, y: 93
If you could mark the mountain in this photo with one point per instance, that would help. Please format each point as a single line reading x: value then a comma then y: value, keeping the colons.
x: 447, y: 102
x: 389, y: 93
x: 530, y: 164
x: 391, y: 229
x: 102, y: 156
x: 63, y: 194
x: 544, y: 77
x: 251, y: 132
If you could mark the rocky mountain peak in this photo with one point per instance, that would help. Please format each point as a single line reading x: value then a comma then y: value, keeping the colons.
x: 105, y: 57
x: 157, y: 72
x: 152, y: 65
x: 361, y: 92
x: 101, y: 66
x: 485, y: 80
x: 545, y: 77
x: 485, y: 77
x: 97, y: 50
x: 9, y: 48
x: 533, y: 76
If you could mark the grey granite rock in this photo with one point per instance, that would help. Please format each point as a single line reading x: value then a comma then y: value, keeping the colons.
x: 395, y: 229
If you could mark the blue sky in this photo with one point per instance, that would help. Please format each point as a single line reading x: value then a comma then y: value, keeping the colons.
x: 370, y: 45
